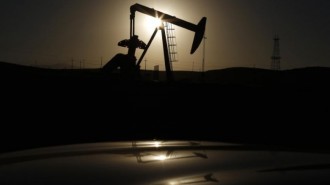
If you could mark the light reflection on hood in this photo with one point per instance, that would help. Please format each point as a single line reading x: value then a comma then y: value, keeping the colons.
x: 164, y: 162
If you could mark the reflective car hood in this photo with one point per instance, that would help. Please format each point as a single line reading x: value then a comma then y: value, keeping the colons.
x: 164, y: 163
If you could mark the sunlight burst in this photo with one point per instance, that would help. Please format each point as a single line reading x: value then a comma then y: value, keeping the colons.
x: 151, y: 23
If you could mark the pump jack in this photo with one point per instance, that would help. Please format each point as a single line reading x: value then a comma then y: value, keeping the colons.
x: 127, y: 63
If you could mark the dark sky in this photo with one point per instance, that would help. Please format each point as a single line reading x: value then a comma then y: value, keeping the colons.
x: 239, y: 32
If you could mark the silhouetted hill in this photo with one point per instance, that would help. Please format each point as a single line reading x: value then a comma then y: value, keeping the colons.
x: 302, y: 77
x: 43, y: 107
x: 15, y: 73
x: 14, y: 70
x: 251, y: 77
x: 243, y: 76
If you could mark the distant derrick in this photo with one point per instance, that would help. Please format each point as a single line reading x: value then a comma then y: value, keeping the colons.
x: 276, y: 58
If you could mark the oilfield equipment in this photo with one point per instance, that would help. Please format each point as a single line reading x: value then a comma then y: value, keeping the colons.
x: 276, y: 57
x: 128, y: 63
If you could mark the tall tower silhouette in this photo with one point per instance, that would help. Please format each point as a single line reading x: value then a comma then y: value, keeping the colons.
x: 276, y: 58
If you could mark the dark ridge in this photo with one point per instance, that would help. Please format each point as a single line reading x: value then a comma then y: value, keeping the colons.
x: 309, y: 76
x: 44, y: 107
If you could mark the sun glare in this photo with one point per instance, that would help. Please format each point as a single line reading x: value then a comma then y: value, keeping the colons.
x: 151, y: 23
x: 160, y: 157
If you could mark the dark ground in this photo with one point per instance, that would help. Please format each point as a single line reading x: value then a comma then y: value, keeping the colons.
x: 43, y: 107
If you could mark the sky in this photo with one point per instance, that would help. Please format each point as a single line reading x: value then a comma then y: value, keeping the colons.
x: 85, y: 33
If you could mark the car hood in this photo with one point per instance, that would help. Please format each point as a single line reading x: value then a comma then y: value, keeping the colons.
x: 164, y: 163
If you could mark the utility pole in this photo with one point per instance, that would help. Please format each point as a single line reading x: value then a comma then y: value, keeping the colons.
x: 203, y: 63
x: 72, y: 63
x: 192, y: 69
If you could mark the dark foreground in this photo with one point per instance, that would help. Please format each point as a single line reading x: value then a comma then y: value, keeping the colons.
x: 41, y: 110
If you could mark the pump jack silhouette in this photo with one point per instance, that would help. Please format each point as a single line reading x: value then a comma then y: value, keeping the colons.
x: 128, y: 64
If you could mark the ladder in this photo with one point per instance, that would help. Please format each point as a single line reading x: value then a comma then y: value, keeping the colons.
x: 171, y: 42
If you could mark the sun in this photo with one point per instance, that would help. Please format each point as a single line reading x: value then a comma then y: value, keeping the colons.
x: 151, y: 22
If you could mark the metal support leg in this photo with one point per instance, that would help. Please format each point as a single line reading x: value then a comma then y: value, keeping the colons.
x: 148, y: 45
